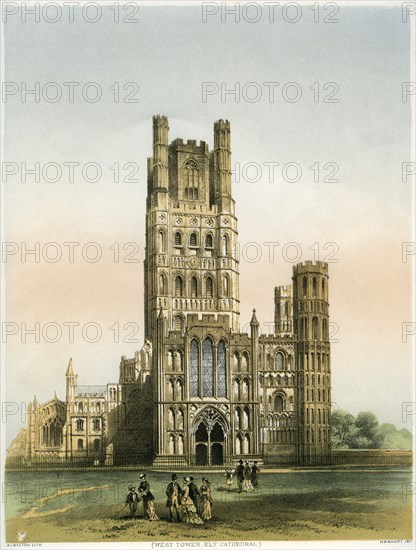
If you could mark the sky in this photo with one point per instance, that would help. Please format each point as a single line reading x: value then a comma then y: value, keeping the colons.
x: 319, y: 133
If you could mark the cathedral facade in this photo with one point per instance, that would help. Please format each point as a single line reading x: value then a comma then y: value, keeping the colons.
x: 200, y: 392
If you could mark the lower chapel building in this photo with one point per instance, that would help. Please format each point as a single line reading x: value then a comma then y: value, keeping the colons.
x: 200, y: 392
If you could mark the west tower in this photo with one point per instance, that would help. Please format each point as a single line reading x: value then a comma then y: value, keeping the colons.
x: 191, y: 263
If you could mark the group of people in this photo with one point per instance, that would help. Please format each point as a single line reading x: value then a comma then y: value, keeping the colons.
x: 186, y: 504
x: 247, y: 477
x: 145, y: 495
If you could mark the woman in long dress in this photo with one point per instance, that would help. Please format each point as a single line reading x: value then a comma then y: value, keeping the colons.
x: 189, y: 514
x: 148, y: 499
x: 247, y: 486
x: 206, y: 499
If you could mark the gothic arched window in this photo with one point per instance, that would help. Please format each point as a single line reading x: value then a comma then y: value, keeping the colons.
x: 235, y: 361
x: 315, y: 329
x: 225, y: 286
x: 194, y: 369
x: 279, y: 361
x: 224, y: 245
x: 194, y: 287
x: 180, y: 445
x: 170, y: 359
x: 208, y: 241
x: 191, y: 177
x: 305, y: 286
x: 209, y: 291
x: 221, y: 371
x: 244, y: 362
x: 162, y: 284
x: 178, y: 238
x: 207, y: 368
x: 178, y: 286
x: 278, y: 403
x: 193, y: 239
x: 178, y: 323
x: 161, y: 241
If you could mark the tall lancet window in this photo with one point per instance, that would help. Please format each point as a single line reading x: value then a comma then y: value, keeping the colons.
x: 194, y: 287
x: 207, y: 368
x: 225, y: 286
x: 194, y: 369
x: 178, y: 286
x: 191, y: 177
x: 209, y: 288
x: 221, y: 371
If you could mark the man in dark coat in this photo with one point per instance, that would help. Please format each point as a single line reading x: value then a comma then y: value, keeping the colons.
x: 194, y: 494
x: 174, y: 492
x: 239, y: 473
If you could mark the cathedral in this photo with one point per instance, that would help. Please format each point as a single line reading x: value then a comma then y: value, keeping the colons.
x: 200, y: 392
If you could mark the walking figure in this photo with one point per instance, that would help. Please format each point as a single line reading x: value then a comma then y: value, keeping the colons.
x: 174, y: 493
x: 148, y: 499
x: 194, y: 494
x: 247, y: 486
x: 239, y: 473
x: 255, y: 470
x: 189, y: 514
x: 206, y: 499
x: 132, y: 500
x: 228, y: 479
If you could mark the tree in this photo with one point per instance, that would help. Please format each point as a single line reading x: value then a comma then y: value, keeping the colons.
x: 342, y: 423
x: 364, y: 432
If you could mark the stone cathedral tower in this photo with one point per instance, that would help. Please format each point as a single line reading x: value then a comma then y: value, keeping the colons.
x: 192, y: 303
x: 312, y: 350
x: 200, y: 392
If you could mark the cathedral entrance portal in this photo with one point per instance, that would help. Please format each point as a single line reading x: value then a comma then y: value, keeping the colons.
x: 209, y: 442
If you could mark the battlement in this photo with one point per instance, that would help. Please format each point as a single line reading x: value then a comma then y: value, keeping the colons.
x: 241, y: 338
x: 190, y: 146
x: 160, y: 120
x: 195, y: 319
x: 283, y: 291
x: 310, y: 267
x: 222, y: 124
x: 276, y: 338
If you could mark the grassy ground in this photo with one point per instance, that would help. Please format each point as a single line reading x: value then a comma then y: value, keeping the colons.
x: 339, y: 513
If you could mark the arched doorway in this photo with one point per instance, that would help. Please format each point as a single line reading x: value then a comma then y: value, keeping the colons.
x: 217, y: 442
x: 201, y: 454
x: 209, y: 440
x: 217, y: 454
x: 201, y: 446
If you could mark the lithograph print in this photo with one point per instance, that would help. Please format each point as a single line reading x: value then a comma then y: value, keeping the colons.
x: 208, y: 257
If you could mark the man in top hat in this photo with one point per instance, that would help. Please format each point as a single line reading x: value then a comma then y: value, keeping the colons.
x: 174, y: 492
x: 132, y: 500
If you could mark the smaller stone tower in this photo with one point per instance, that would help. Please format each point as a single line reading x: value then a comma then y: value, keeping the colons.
x: 312, y: 349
